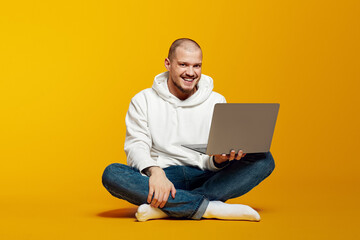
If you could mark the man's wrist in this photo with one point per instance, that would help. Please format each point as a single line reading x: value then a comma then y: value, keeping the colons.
x: 152, y: 170
x: 147, y: 171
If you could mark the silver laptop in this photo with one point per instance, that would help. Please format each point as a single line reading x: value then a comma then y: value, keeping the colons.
x: 240, y: 126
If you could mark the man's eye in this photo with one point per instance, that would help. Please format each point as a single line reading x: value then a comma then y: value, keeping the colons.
x: 197, y: 66
x: 182, y: 64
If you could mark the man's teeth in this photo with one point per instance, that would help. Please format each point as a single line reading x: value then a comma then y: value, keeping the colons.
x: 188, y: 79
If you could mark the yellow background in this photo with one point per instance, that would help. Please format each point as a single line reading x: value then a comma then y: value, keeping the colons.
x: 68, y: 70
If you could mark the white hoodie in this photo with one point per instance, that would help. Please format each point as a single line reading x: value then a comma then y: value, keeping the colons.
x: 158, y: 123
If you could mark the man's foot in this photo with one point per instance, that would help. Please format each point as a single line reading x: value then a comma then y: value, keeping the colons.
x: 221, y: 210
x: 146, y: 212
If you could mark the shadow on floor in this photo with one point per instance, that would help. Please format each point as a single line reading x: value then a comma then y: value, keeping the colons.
x: 258, y: 209
x: 130, y: 213
x: 119, y: 213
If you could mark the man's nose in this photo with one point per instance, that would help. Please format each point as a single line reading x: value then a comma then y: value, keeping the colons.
x: 190, y: 71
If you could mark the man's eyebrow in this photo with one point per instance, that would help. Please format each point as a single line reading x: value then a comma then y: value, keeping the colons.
x: 199, y: 63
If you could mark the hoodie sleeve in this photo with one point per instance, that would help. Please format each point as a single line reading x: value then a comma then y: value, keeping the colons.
x: 138, y: 139
x: 210, y: 165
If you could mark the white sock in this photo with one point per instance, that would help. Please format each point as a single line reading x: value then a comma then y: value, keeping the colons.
x: 221, y: 210
x: 146, y: 212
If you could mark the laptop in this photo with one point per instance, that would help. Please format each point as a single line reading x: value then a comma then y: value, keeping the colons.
x: 240, y: 126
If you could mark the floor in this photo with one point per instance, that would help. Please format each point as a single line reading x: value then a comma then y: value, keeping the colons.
x: 324, y: 210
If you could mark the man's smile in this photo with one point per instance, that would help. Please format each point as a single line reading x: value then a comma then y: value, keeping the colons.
x: 188, y: 79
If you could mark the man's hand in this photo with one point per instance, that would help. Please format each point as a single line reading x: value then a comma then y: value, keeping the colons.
x: 225, y: 157
x: 159, y: 188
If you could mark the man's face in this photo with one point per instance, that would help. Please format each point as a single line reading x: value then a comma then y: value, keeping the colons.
x: 184, y: 71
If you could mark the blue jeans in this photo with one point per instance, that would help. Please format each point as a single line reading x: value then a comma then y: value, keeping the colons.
x: 194, y: 187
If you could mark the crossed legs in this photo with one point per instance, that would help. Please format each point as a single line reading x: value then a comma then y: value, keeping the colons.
x: 199, y: 193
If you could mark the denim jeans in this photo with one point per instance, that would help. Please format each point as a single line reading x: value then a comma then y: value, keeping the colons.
x: 194, y: 187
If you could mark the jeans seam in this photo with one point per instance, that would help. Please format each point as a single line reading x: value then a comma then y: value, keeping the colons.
x: 186, y: 179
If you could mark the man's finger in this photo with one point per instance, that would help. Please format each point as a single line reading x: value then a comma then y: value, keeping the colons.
x: 164, y: 200
x: 173, y: 191
x: 155, y: 199
x: 232, y: 155
x: 160, y: 200
x: 151, y: 192
x: 239, y: 155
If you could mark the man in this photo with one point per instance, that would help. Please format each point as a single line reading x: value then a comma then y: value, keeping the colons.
x: 166, y: 179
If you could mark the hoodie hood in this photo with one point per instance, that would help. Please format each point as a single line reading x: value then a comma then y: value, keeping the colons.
x: 205, y: 87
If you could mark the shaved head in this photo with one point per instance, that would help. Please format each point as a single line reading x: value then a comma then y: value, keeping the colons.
x: 186, y: 43
x: 184, y: 67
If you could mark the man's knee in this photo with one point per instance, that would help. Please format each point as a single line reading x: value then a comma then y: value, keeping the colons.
x: 267, y: 165
x: 109, y: 174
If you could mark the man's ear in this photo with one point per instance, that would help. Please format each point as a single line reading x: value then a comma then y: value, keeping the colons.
x: 167, y: 63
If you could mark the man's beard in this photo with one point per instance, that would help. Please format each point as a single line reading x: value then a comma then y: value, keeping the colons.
x: 186, y: 91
